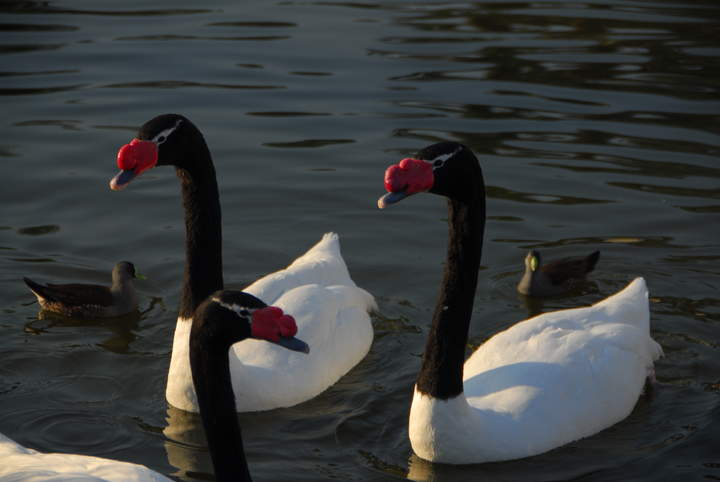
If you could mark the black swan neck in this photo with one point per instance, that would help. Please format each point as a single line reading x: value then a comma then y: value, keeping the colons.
x: 441, y: 375
x: 203, y: 232
x: 211, y: 377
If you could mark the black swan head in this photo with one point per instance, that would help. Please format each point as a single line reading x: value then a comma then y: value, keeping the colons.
x: 448, y: 169
x: 168, y: 139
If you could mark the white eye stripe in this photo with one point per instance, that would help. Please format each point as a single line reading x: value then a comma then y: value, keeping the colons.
x: 163, y: 135
x: 239, y: 309
x: 440, y: 160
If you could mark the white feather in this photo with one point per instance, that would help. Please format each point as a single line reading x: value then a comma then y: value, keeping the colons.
x: 18, y: 463
x: 332, y: 315
x: 542, y: 383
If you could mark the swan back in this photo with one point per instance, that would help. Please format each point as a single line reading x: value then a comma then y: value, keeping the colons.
x: 21, y: 464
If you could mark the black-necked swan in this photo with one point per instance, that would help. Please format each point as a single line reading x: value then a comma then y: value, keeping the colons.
x: 81, y: 300
x: 539, y: 384
x: 316, y: 289
x: 226, y: 317
x: 556, y: 277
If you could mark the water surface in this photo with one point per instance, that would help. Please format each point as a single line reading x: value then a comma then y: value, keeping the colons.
x: 597, y: 128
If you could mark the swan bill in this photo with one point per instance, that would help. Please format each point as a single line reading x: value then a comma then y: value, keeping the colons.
x: 292, y: 343
x: 391, y: 198
x: 122, y: 179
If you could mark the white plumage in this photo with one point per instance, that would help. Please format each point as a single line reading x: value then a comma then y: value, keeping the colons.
x: 20, y: 464
x: 332, y: 315
x: 542, y: 383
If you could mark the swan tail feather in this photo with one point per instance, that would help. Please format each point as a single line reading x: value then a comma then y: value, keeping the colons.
x: 629, y: 305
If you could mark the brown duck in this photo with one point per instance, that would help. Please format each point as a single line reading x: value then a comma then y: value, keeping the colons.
x: 557, y: 277
x: 78, y: 300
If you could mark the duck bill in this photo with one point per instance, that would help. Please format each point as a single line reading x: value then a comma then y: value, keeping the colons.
x: 292, y: 343
x: 391, y: 198
x: 122, y: 179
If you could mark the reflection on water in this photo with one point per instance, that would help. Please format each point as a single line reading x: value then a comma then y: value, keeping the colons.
x: 68, y: 124
x: 645, y: 242
x: 39, y: 230
x: 121, y: 328
x: 501, y: 193
x: 185, y: 444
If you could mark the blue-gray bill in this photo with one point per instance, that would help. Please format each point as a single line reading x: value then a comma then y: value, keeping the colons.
x: 121, y: 180
x: 391, y: 198
x: 292, y: 343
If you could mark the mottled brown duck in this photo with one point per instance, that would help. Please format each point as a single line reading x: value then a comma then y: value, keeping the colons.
x: 79, y: 300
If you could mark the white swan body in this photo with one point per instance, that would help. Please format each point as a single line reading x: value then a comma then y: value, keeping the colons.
x: 331, y: 313
x: 18, y: 463
x: 542, y: 383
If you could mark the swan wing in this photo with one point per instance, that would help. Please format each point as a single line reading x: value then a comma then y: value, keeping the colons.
x: 621, y: 320
x: 335, y: 323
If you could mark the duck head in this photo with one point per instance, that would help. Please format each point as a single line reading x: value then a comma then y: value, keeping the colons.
x: 532, y: 260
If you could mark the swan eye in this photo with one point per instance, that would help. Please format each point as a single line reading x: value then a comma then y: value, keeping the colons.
x: 244, y: 312
x: 161, y: 139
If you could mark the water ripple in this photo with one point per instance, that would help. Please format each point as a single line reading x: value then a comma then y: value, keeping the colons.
x: 308, y: 143
x: 82, y: 390
x: 168, y: 37
x: 76, y: 431
x: 180, y: 84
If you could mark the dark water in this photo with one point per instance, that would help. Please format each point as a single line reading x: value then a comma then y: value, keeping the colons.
x: 597, y: 128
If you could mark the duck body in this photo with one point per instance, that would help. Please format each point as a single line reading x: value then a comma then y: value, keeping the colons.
x: 332, y: 313
x: 536, y: 386
x: 556, y: 277
x: 78, y: 300
x: 542, y: 383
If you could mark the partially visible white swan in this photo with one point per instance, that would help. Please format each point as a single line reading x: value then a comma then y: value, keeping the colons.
x: 20, y: 464
x: 332, y: 313
x: 541, y: 383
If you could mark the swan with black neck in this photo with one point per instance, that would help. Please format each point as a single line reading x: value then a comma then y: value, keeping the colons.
x: 332, y: 313
x: 539, y: 384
